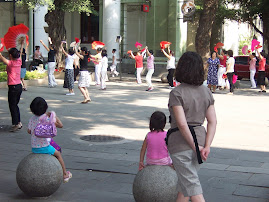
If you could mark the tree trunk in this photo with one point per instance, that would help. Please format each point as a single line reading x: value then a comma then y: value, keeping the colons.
x: 203, y: 35
x: 56, y: 30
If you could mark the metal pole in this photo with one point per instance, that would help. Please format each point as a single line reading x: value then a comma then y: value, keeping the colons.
x: 14, y: 12
x: 120, y: 60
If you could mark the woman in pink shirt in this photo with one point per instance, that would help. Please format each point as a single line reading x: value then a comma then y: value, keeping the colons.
x: 252, y: 69
x: 154, y: 144
x: 261, y: 71
x: 14, y: 85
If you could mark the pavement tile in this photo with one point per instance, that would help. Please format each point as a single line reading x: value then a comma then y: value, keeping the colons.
x: 252, y: 191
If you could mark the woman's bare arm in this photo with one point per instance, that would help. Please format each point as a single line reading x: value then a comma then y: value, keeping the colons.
x: 46, y: 47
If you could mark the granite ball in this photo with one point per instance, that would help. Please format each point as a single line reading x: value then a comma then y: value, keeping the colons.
x: 164, y: 78
x: 39, y: 175
x: 155, y: 183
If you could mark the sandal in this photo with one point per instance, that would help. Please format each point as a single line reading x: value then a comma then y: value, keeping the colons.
x: 69, y: 177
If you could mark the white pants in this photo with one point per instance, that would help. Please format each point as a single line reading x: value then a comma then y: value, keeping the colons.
x: 138, y: 74
x: 221, y: 81
x: 103, y: 79
x: 113, y: 69
x: 148, y: 77
x: 51, y: 78
x: 97, y: 73
x: 252, y: 80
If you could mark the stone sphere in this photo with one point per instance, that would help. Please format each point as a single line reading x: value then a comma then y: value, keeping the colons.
x: 39, y: 175
x: 156, y: 184
x: 164, y: 78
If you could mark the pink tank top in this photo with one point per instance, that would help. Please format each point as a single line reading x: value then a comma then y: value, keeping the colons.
x: 156, y: 147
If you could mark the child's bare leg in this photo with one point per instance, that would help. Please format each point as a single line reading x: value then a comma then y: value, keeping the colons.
x: 58, y: 155
x: 82, y: 90
x: 87, y: 94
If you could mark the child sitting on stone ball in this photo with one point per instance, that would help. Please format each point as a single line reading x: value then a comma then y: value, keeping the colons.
x: 42, y: 145
x: 154, y: 144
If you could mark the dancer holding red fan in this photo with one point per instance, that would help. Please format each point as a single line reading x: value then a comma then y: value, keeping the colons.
x: 171, y: 65
x: 14, y: 85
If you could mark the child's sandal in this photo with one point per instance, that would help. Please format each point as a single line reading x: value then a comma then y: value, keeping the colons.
x: 69, y: 177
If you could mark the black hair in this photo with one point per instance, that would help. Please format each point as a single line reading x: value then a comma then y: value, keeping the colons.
x: 135, y: 53
x: 212, y: 53
x: 224, y: 51
x: 157, y: 121
x: 71, y: 51
x: 52, y: 46
x: 87, y: 53
x: 172, y: 53
x: 14, y: 53
x: 99, y: 49
x: 114, y: 50
x: 38, y: 106
x: 190, y: 69
x: 36, y: 47
x: 104, y: 53
x: 262, y: 54
x: 230, y: 53
x: 254, y: 54
x: 23, y: 51
x: 151, y: 52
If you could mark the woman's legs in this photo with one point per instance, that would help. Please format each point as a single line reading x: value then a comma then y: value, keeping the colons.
x: 182, y: 198
x: 149, y: 76
x: 209, y: 86
x: 138, y: 74
x: 51, y: 78
x: 230, y: 79
x: 252, y: 80
x: 97, y: 74
x: 170, y: 77
x: 14, y: 94
x: 214, y: 88
x: 85, y: 93
x: 103, y: 79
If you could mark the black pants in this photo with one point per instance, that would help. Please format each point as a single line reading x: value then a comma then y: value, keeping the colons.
x: 230, y: 79
x: 76, y: 72
x: 14, y: 95
x: 170, y: 77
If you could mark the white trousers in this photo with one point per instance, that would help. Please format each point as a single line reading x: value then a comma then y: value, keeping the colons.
x: 51, y: 78
x: 97, y: 73
x: 138, y: 74
x: 113, y: 69
x: 252, y: 80
x: 103, y: 79
x: 221, y: 81
x: 148, y: 77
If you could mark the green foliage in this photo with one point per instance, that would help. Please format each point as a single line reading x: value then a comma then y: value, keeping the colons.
x: 3, y: 76
x: 35, y: 75
x: 2, y: 67
x: 65, y: 5
x: 29, y: 75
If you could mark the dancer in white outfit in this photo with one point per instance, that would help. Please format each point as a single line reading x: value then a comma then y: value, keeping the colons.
x: 113, y: 67
x: 97, y: 59
x: 104, y: 65
x: 222, y: 69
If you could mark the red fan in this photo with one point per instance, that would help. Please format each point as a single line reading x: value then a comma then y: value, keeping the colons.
x: 97, y: 44
x: 77, y: 39
x: 164, y: 44
x: 254, y: 43
x: 2, y: 45
x: 224, y: 76
x: 219, y: 45
x: 138, y: 45
x: 258, y: 47
x: 15, y: 36
x: 129, y: 52
x: 216, y: 49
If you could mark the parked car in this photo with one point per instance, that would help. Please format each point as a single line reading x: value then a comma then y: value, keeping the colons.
x: 241, y: 67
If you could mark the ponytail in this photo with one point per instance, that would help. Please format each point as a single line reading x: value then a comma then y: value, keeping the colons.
x: 14, y: 53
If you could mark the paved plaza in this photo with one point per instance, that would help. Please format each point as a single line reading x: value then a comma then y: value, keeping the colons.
x: 237, y: 169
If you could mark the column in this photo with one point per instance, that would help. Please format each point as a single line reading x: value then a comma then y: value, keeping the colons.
x: 39, y: 32
x: 111, y: 25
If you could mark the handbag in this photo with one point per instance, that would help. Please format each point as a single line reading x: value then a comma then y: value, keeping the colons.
x: 46, y: 129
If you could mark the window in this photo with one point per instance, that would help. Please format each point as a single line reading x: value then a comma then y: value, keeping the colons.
x: 90, y: 25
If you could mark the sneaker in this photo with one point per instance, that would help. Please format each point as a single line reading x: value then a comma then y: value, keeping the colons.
x: 150, y: 89
x: 70, y: 94
x: 76, y: 82
x: 230, y: 93
x: 170, y: 87
x: 15, y: 128
x: 252, y: 87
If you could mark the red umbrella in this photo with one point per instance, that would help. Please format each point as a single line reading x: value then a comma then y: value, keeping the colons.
x: 15, y: 35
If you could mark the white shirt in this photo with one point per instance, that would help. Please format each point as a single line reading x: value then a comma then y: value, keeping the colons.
x: 104, y: 64
x: 115, y: 59
x: 171, y: 63
x: 69, y: 61
x: 76, y: 60
x: 230, y: 62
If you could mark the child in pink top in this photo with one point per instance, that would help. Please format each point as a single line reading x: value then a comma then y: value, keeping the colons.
x: 154, y: 144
